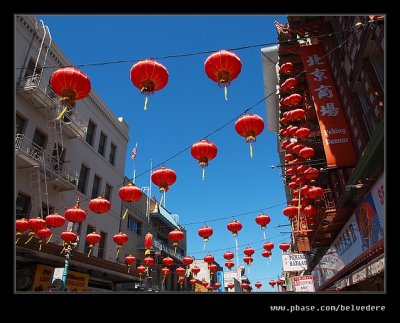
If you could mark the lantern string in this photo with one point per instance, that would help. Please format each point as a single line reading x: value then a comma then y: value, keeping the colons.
x: 90, y: 250
x: 118, y: 248
x: 48, y: 240
x: 40, y: 245
x: 203, y: 174
x: 125, y: 213
x: 264, y: 234
x: 129, y: 268
x: 226, y: 93
x: 61, y: 114
x: 29, y: 239
x: 17, y: 239
x: 251, y: 150
x: 206, y: 51
x: 145, y: 103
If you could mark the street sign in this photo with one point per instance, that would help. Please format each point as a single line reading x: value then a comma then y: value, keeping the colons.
x: 294, y: 262
x: 303, y: 283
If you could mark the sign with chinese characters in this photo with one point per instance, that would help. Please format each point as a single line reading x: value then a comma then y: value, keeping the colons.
x: 339, y: 150
x: 303, y: 283
x: 294, y: 262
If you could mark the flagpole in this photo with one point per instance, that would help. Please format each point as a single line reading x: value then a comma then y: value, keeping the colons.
x: 134, y: 164
x: 151, y: 171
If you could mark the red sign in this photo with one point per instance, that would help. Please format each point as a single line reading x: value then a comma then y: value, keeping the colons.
x: 335, y: 134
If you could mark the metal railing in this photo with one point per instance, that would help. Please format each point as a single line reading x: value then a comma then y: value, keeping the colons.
x: 34, y: 81
x: 56, y: 167
x: 160, y: 246
x: 71, y: 116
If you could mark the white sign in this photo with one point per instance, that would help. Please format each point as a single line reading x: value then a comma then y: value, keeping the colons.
x: 294, y: 262
x: 303, y: 283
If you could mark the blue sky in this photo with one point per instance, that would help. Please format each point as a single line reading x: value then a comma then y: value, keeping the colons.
x: 187, y: 109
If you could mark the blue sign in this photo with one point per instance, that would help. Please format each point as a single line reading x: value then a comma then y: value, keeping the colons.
x: 220, y: 279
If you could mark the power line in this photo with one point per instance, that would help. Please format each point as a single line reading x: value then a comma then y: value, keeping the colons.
x: 194, y: 53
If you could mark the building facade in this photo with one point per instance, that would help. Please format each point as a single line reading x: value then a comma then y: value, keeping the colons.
x: 337, y: 63
x: 81, y: 155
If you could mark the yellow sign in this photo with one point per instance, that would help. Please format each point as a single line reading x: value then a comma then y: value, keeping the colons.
x: 76, y: 282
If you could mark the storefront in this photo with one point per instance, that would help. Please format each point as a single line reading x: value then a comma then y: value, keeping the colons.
x: 355, y: 260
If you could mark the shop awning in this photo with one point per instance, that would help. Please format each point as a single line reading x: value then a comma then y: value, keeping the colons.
x: 372, y: 268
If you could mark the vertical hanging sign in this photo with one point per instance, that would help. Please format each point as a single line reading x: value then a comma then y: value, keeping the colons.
x: 335, y: 134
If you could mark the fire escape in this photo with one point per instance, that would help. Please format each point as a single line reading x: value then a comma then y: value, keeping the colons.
x: 46, y: 165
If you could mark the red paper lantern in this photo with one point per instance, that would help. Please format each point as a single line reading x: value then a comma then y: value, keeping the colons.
x: 204, y: 151
x: 229, y: 264
x: 148, y: 261
x: 245, y: 286
x: 75, y: 214
x: 43, y: 233
x: 286, y: 68
x: 22, y: 225
x: 70, y: 84
x: 68, y: 236
x: 149, y: 76
x: 293, y: 100
x: 212, y: 268
x: 248, y: 260
x: 36, y: 223
x: 231, y: 285
x: 187, y: 260
x: 55, y: 220
x: 258, y: 285
x: 209, y: 258
x: 262, y: 220
x: 92, y: 239
x: 175, y: 236
x: 234, y: 226
x: 223, y: 67
x: 141, y: 270
x: 180, y: 271
x: 284, y: 246
x: 217, y: 285
x: 290, y: 211
x: 249, y: 126
x: 130, y: 193
x: 248, y: 251
x: 302, y: 132
x: 165, y: 272
x: 268, y: 246
x: 205, y: 232
x: 315, y: 192
x: 120, y: 238
x: 228, y: 255
x: 311, y: 173
x: 167, y: 261
x: 99, y: 205
x: 272, y: 283
x: 181, y: 279
x: 204, y: 283
x: 307, y: 152
x: 289, y: 84
x: 310, y: 210
x: 148, y: 242
x: 130, y: 260
x: 266, y: 253
x: 195, y: 270
x: 163, y: 178
x: 193, y: 282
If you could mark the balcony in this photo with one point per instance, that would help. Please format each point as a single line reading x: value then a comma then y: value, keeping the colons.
x: 164, y: 216
x: 28, y: 155
x: 73, y: 124
x: 159, y: 246
x: 37, y: 92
